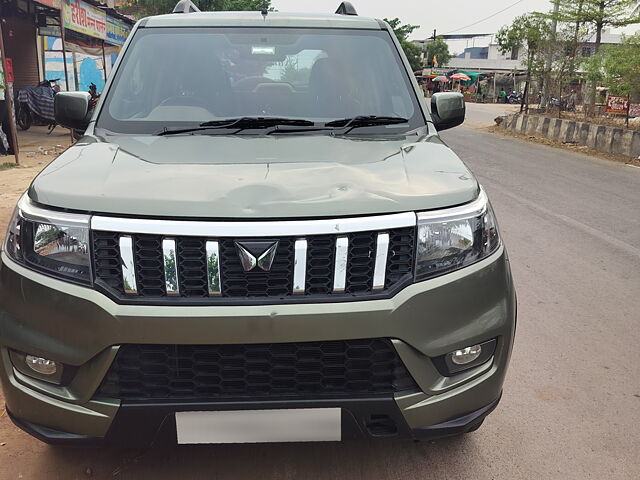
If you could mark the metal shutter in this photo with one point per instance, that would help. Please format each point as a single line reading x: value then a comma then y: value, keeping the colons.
x: 21, y: 47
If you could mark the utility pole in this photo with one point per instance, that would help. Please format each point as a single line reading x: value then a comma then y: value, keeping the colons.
x: 425, y: 60
x: 547, y: 66
x: 64, y: 50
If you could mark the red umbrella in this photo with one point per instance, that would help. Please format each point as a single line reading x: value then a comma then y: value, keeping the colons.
x: 460, y: 76
x: 441, y: 78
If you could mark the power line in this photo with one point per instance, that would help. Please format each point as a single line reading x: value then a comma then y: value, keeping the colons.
x: 487, y: 18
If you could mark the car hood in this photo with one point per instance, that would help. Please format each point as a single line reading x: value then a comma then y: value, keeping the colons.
x: 213, y: 177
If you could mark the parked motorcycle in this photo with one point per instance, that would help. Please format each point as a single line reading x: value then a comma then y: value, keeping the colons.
x: 514, y: 98
x: 34, y: 105
x: 95, y: 96
x: 562, y: 104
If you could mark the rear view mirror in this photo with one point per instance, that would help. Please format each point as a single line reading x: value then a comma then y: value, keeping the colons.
x: 447, y: 110
x: 72, y: 109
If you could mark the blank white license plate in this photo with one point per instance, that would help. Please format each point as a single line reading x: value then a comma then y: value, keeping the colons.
x: 260, y: 426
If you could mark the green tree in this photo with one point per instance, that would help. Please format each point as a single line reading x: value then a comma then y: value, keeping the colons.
x: 596, y: 15
x: 617, y: 67
x: 438, y: 49
x: 531, y: 32
x: 144, y: 8
x: 622, y: 67
x: 412, y: 51
x: 414, y: 55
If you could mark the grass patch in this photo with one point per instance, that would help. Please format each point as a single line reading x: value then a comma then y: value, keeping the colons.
x: 7, y: 166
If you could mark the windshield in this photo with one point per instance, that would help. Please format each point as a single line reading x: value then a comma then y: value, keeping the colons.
x: 182, y: 77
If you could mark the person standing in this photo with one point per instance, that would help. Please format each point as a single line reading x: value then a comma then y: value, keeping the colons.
x: 503, y: 95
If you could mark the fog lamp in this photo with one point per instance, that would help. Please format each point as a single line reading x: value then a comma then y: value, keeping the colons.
x: 465, y: 358
x: 466, y: 355
x: 41, y: 365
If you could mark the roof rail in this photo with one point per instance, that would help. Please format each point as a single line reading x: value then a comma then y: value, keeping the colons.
x: 346, y: 8
x: 185, y: 6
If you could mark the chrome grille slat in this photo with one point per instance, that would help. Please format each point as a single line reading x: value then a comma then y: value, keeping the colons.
x: 213, y: 267
x: 170, y: 262
x: 300, y: 266
x: 341, y: 263
x: 380, y: 269
x: 128, y: 265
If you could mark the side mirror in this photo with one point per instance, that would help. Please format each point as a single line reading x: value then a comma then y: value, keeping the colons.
x: 71, y: 109
x: 447, y: 110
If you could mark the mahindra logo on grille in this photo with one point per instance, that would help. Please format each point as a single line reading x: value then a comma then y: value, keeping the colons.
x: 256, y: 254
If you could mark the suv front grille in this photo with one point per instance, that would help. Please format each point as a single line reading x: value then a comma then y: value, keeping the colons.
x: 329, y: 369
x: 193, y: 269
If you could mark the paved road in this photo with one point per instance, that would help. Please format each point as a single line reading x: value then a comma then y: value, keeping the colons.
x: 571, y: 408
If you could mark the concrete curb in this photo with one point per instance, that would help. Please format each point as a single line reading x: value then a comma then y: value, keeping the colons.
x: 602, y: 138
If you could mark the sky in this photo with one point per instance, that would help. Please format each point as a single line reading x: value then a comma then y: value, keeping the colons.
x: 444, y: 16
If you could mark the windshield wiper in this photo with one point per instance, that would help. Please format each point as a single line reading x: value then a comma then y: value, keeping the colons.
x: 283, y: 131
x: 242, y: 123
x: 348, y: 123
x: 365, y: 121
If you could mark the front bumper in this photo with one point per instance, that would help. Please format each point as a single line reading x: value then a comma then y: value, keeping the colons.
x: 155, y: 425
x: 80, y: 327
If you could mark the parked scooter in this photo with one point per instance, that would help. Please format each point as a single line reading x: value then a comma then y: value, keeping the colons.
x: 34, y: 105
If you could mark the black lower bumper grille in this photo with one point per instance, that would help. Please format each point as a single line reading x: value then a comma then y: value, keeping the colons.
x: 275, y: 371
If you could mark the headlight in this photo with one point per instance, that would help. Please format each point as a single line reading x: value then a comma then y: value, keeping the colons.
x: 54, y: 243
x: 455, y: 238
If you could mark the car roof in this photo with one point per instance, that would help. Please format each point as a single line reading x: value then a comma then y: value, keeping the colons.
x: 256, y: 19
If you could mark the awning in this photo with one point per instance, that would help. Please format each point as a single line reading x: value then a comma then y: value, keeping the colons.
x: 473, y: 75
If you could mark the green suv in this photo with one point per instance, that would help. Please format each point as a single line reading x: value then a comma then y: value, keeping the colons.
x: 259, y: 238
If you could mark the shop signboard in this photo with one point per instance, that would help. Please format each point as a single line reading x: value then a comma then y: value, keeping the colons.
x: 117, y: 31
x: 83, y: 18
x: 51, y: 3
x: 616, y: 105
